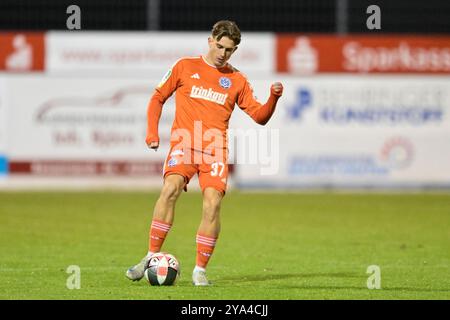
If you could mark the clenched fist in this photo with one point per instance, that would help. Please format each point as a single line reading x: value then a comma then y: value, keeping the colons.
x: 154, y: 145
x: 277, y: 88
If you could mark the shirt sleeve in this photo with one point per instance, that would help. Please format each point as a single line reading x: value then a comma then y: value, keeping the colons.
x: 169, y: 83
x: 260, y: 113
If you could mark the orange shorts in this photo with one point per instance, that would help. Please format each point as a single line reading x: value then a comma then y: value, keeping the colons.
x: 212, y: 170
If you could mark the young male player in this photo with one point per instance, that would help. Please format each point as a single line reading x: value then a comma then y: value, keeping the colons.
x: 206, y: 90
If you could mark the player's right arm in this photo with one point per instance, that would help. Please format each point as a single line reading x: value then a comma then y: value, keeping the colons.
x: 169, y: 83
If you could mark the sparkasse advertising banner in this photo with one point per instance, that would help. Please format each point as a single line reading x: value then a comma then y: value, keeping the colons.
x: 22, y: 52
x: 309, y: 54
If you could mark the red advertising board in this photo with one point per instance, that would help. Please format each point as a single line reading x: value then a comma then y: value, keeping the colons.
x: 305, y: 54
x: 22, y: 52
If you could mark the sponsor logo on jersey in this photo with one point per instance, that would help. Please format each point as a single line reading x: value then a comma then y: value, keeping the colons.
x: 165, y: 78
x: 208, y: 94
x: 177, y: 152
x: 225, y: 82
x: 195, y: 76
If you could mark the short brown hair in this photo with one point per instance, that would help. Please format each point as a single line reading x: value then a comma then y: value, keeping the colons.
x: 226, y: 28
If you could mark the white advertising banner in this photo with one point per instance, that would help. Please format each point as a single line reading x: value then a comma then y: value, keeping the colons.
x: 327, y: 131
x: 146, y: 53
x: 348, y: 131
x: 78, y: 126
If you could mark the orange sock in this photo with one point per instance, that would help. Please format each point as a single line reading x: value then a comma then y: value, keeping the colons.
x: 158, y: 232
x: 205, y: 248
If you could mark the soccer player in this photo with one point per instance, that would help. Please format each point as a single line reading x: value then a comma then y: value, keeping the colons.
x: 207, y: 87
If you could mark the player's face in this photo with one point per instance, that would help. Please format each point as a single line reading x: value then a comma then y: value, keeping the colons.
x: 221, y: 50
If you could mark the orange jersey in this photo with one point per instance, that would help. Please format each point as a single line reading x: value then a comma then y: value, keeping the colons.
x: 205, y: 98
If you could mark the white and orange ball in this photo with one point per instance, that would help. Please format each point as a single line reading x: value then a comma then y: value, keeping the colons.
x: 163, y: 269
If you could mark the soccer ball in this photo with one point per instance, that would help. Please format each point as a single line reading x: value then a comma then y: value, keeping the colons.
x: 163, y: 269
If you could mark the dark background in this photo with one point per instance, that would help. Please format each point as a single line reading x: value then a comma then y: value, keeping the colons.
x: 312, y: 16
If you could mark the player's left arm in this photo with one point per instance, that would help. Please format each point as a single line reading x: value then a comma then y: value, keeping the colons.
x: 261, y: 113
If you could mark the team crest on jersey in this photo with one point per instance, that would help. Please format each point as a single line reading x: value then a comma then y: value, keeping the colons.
x: 225, y: 82
x: 172, y: 162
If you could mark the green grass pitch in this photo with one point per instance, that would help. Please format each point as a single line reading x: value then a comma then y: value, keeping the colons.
x: 272, y: 246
